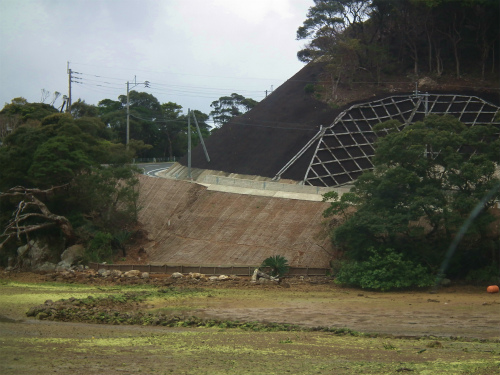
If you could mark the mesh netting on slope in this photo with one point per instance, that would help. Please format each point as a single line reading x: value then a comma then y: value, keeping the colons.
x: 345, y: 148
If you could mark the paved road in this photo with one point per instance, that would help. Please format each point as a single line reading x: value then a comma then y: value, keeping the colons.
x: 150, y: 169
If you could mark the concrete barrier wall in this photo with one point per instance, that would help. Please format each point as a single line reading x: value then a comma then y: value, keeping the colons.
x: 271, y: 186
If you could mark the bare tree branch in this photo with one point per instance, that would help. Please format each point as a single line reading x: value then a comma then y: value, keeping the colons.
x: 17, y: 227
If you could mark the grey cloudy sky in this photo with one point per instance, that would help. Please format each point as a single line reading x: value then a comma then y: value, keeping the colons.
x: 192, y: 51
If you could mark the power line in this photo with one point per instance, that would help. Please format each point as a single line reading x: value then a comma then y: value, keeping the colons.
x: 180, y: 74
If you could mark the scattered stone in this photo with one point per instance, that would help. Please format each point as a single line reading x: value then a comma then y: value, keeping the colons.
x: 46, y: 267
x: 67, y: 274
x: 427, y: 82
x: 73, y: 254
x: 132, y: 273
x: 103, y: 272
x: 116, y: 273
x: 254, y: 275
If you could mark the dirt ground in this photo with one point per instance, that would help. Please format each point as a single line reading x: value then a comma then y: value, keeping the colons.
x: 457, y: 310
x: 412, y: 331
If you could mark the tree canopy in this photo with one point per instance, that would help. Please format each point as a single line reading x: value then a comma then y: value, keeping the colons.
x: 431, y: 36
x: 66, y: 174
x: 427, y: 178
x: 162, y: 126
x: 227, y: 107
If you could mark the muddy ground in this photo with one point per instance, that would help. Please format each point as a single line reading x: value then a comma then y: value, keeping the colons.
x: 454, y: 330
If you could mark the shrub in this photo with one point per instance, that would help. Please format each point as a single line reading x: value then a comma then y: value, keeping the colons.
x: 488, y: 274
x: 309, y: 88
x: 384, y: 270
x: 278, y: 265
x: 99, y: 248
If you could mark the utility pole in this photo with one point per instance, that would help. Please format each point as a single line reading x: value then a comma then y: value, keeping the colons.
x: 199, y: 135
x: 146, y: 84
x: 189, y: 144
x: 68, y: 104
x: 128, y: 116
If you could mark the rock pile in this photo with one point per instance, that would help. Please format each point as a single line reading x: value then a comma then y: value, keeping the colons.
x: 106, y: 276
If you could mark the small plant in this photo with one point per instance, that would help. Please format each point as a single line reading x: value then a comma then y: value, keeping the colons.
x: 389, y: 346
x: 309, y: 88
x: 434, y: 344
x: 99, y: 249
x: 278, y: 265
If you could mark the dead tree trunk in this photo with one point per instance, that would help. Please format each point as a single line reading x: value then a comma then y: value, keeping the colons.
x: 19, y: 226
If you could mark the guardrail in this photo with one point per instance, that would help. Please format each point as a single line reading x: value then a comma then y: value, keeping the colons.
x: 153, y: 160
x: 206, y: 270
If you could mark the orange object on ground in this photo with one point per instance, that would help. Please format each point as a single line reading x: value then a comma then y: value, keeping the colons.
x: 492, y: 289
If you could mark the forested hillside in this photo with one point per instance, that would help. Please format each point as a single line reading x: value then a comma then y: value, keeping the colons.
x: 379, y: 41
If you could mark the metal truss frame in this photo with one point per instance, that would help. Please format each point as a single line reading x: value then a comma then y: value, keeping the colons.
x: 344, y: 149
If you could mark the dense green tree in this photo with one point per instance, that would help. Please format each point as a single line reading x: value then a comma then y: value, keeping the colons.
x: 326, y: 24
x: 27, y: 111
x: 72, y: 178
x: 163, y: 127
x: 19, y: 112
x: 428, y: 177
x: 424, y: 36
x: 227, y: 107
x: 81, y: 109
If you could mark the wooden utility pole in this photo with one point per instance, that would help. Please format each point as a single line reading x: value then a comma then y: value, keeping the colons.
x: 189, y: 144
x: 146, y: 84
x: 68, y: 104
x: 128, y: 116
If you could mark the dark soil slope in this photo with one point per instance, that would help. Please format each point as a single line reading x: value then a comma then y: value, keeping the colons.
x: 264, y: 139
x: 261, y: 141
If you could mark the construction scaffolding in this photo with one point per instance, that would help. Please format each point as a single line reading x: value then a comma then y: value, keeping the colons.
x: 344, y: 149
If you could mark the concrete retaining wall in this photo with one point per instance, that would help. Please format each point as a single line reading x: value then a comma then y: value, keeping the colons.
x: 267, y: 185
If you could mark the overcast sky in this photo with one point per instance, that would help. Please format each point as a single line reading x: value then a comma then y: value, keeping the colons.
x: 192, y: 51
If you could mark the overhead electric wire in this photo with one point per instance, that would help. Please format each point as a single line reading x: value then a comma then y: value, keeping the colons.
x: 231, y: 123
x: 180, y: 74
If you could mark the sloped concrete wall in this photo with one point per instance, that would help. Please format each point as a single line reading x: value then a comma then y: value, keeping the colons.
x: 188, y: 224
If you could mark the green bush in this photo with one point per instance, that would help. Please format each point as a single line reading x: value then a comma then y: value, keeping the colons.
x: 384, y: 270
x: 99, y: 248
x: 488, y: 274
x: 278, y: 265
x: 309, y: 88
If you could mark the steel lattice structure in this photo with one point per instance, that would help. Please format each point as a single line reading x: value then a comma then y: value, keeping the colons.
x: 344, y: 149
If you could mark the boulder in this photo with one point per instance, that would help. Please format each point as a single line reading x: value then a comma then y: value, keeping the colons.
x: 145, y: 275
x: 427, y: 82
x: 132, y: 273
x: 103, y: 272
x: 177, y: 275
x: 32, y: 254
x: 46, y: 267
x: 195, y: 275
x: 72, y: 254
x: 254, y: 275
x: 116, y: 273
x: 223, y: 277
